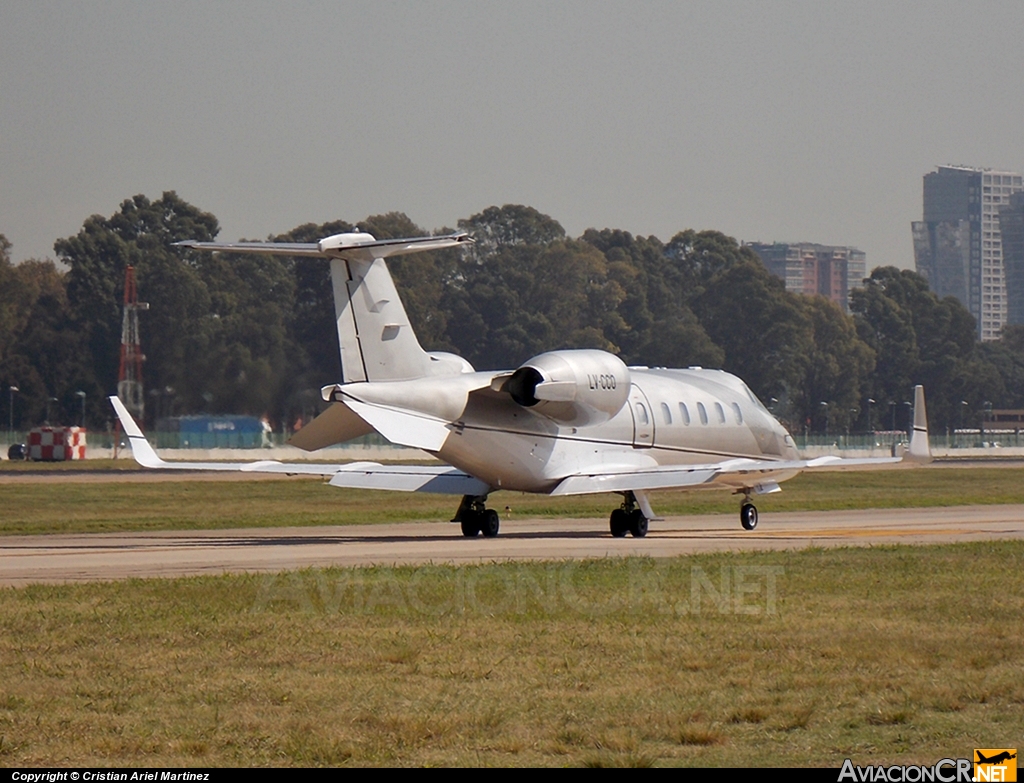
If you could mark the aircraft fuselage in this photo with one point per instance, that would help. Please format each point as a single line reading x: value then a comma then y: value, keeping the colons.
x: 672, y: 417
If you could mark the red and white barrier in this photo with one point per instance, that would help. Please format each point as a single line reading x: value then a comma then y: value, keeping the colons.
x: 56, y: 444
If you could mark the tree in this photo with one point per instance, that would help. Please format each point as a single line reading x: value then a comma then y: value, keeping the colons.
x: 763, y: 331
x: 41, y: 353
x: 838, y: 368
x: 653, y: 323
x: 140, y: 234
x: 513, y: 224
x: 919, y: 338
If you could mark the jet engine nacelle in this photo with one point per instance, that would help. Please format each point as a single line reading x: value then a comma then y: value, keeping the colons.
x: 572, y: 387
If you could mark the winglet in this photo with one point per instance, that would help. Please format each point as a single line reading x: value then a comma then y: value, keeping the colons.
x: 141, y: 450
x: 920, y: 450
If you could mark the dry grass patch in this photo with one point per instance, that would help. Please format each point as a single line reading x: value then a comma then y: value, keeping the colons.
x: 881, y: 654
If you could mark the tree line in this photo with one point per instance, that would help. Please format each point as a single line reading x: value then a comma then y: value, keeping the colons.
x: 256, y: 334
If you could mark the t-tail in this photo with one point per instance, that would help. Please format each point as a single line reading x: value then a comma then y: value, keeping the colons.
x: 377, y: 342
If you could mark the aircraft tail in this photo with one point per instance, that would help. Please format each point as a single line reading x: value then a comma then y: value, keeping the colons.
x: 920, y: 450
x: 377, y: 343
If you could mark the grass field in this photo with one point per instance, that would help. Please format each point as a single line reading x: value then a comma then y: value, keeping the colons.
x: 64, y: 507
x: 906, y: 654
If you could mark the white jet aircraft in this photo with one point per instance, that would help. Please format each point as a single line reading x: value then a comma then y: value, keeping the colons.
x: 566, y: 422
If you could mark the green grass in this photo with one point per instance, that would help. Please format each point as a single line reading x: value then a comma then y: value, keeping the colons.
x: 61, y: 507
x: 907, y: 654
x: 70, y: 466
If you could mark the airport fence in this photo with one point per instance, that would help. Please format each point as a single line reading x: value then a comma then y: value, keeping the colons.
x: 204, y: 440
x: 965, y: 439
x: 955, y: 439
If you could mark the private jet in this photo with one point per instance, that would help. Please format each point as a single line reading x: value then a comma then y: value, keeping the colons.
x: 566, y: 422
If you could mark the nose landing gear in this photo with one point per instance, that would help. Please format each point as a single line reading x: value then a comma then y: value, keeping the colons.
x: 748, y: 511
x: 748, y: 516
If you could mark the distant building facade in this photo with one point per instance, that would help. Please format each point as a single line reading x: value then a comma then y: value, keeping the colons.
x: 808, y: 268
x: 1011, y: 226
x: 958, y: 244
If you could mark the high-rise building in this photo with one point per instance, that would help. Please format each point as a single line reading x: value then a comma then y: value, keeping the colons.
x: 1011, y: 226
x: 808, y: 268
x: 958, y: 244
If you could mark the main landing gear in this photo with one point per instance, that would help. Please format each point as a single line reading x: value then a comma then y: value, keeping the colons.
x: 629, y: 518
x: 476, y: 518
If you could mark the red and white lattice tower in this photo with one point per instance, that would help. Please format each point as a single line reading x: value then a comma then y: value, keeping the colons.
x: 129, y: 377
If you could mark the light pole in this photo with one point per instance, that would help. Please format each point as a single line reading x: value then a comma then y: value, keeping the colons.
x: 826, y: 418
x: 910, y: 416
x: 10, y: 428
x: 81, y: 395
x: 49, y: 400
x: 870, y: 403
x: 963, y: 404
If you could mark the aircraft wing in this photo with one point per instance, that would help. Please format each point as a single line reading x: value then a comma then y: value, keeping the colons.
x: 442, y: 479
x: 736, y: 472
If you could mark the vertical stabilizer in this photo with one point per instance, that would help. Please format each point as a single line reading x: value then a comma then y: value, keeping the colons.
x: 920, y: 450
x: 377, y: 343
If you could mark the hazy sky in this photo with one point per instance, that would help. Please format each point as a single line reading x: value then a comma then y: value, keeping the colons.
x: 788, y: 121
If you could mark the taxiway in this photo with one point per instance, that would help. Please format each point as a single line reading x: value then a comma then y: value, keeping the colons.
x: 101, y: 557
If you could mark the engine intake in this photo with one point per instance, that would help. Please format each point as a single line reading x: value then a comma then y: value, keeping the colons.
x: 573, y: 387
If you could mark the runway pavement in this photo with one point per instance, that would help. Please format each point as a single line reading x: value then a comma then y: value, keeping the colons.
x: 99, y: 557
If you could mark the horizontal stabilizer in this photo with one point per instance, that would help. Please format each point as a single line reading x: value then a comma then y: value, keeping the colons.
x: 353, y: 246
x: 337, y: 424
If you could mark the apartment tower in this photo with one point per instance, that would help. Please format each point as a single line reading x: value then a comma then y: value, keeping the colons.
x: 958, y: 244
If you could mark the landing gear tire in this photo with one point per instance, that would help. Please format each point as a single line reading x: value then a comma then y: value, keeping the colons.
x: 748, y: 516
x: 619, y: 523
x: 489, y: 522
x: 471, y: 525
x: 637, y: 523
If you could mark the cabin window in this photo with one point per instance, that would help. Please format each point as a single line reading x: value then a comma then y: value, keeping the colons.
x: 738, y: 412
x: 702, y: 412
x: 641, y: 413
x: 666, y: 413
x: 721, y: 412
x: 685, y: 413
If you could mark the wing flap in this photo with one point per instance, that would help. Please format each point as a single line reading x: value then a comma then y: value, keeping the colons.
x: 443, y: 480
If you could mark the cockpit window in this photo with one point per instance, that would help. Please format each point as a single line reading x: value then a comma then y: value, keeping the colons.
x: 666, y: 413
x: 702, y: 412
x: 737, y: 412
x: 721, y: 412
x: 754, y: 399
